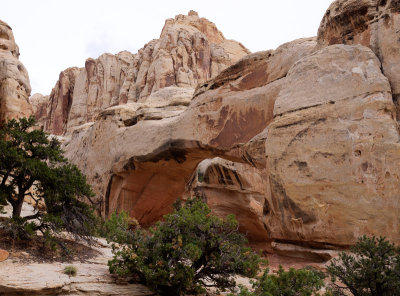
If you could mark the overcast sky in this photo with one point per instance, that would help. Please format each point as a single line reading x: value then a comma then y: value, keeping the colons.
x: 55, y: 34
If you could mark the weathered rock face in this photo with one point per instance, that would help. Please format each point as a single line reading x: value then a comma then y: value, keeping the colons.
x: 301, y: 142
x: 372, y: 23
x: 190, y: 50
x: 14, y: 80
x: 332, y: 151
x: 39, y: 104
x: 61, y: 101
x: 146, y: 161
x: 232, y: 188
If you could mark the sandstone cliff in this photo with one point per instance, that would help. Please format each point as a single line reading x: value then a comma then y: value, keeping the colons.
x: 14, y: 80
x: 372, y: 23
x: 147, y: 162
x: 39, y: 104
x: 301, y: 142
x: 332, y: 150
x: 190, y: 50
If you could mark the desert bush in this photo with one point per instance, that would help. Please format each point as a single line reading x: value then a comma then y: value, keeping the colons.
x: 70, y: 270
x: 372, y: 267
x: 118, y: 228
x: 294, y: 282
x: 17, y: 228
x: 189, y: 250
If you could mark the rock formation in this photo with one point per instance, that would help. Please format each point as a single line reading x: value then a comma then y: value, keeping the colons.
x: 147, y: 162
x: 20, y: 275
x: 39, y: 104
x: 328, y: 150
x: 301, y: 142
x: 372, y: 23
x: 235, y: 188
x: 190, y: 50
x: 14, y: 80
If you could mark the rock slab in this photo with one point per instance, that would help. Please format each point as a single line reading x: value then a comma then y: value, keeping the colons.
x: 93, y: 278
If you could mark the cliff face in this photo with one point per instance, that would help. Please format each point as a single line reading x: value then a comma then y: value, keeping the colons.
x: 333, y: 145
x: 301, y: 142
x: 39, y: 104
x: 372, y: 23
x: 14, y: 80
x: 328, y: 150
x: 146, y: 162
x: 190, y: 50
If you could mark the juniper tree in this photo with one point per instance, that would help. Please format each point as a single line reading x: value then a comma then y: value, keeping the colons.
x: 188, y: 250
x: 372, y: 267
x: 32, y: 165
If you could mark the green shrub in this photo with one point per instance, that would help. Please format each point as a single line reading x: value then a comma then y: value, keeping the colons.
x: 17, y: 228
x: 116, y: 228
x: 187, y: 251
x: 70, y: 270
x: 371, y: 268
x: 294, y: 282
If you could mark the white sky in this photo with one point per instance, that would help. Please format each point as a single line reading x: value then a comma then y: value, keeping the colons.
x: 56, y: 34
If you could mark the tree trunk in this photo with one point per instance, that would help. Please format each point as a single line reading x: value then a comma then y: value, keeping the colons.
x: 17, y: 207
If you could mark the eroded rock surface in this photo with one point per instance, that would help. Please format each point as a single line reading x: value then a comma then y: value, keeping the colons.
x: 190, y: 50
x: 19, y: 277
x: 39, y: 105
x: 333, y: 149
x: 301, y: 142
x: 372, y: 23
x: 235, y: 188
x: 147, y: 162
x: 14, y: 80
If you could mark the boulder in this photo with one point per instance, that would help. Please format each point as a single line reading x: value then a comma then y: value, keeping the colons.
x: 332, y: 151
x: 3, y: 255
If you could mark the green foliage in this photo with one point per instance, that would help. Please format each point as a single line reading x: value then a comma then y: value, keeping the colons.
x: 32, y: 165
x: 304, y: 282
x: 187, y: 251
x: 18, y: 229
x: 70, y: 270
x: 243, y: 291
x: 372, y: 268
x: 294, y: 282
x: 116, y: 228
x: 65, y: 209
